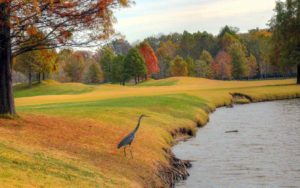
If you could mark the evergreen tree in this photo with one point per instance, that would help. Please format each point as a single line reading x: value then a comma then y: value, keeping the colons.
x: 117, y: 74
x: 134, y: 66
x: 107, y: 56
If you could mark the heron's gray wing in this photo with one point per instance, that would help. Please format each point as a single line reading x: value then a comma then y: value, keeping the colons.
x: 126, y: 141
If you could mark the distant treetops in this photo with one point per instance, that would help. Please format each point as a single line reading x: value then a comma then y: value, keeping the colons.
x: 138, y: 64
x: 229, y: 55
x: 226, y: 56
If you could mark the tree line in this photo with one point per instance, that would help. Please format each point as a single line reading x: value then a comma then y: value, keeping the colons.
x: 229, y: 55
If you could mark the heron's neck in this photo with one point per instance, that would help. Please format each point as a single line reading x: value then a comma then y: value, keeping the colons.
x: 138, y: 125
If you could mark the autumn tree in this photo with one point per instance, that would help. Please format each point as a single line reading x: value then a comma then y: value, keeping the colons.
x: 25, y: 64
x: 252, y: 66
x: 120, y: 46
x: 228, y: 40
x: 201, y: 69
x: 178, y: 67
x: 190, y: 66
x: 150, y: 58
x: 286, y: 38
x: 74, y: 67
x: 63, y: 57
x: 214, y: 70
x: 94, y: 74
x: 61, y: 21
x: 222, y: 66
x: 204, y: 64
x: 206, y: 56
x: 258, y: 43
x: 166, y: 52
x: 239, y: 61
x: 47, y: 63
x: 231, y: 43
x: 41, y: 62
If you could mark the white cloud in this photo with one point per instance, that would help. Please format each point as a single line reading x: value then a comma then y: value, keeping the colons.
x: 148, y: 18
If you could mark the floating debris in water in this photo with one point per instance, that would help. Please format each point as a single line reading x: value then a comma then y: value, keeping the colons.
x: 232, y: 131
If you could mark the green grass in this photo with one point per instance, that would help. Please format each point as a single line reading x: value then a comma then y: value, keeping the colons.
x: 50, y: 88
x: 179, y: 105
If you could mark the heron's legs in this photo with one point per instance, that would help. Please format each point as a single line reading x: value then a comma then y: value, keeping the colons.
x: 130, y: 151
x: 125, y: 151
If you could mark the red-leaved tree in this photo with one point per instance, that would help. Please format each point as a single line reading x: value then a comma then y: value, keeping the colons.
x: 222, y: 66
x: 150, y: 58
x: 62, y: 22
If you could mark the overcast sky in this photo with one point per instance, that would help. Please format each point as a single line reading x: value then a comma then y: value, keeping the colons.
x: 152, y: 17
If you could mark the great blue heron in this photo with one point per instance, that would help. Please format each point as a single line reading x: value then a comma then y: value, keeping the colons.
x: 130, y: 137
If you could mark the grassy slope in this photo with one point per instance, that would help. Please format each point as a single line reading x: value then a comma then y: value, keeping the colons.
x: 70, y: 140
x: 50, y: 87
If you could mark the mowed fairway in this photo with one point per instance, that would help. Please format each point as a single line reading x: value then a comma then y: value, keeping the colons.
x: 67, y: 134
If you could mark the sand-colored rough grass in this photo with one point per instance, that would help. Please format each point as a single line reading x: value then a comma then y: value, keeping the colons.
x: 69, y: 139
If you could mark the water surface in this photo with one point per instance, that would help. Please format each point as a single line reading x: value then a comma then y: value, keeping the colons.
x: 264, y: 153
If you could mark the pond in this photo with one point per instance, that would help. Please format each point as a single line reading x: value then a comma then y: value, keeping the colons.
x: 265, y: 152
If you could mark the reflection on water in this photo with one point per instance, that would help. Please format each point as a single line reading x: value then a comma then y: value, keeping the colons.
x: 264, y: 153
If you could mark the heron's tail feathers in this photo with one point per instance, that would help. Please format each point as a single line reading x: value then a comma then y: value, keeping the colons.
x: 119, y: 146
x: 122, y: 143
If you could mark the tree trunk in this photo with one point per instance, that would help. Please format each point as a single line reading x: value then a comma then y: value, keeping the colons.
x: 29, y: 78
x: 298, y: 73
x: 39, y: 77
x: 7, y: 105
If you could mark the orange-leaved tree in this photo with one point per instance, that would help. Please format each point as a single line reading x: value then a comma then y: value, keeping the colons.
x: 63, y: 23
x: 150, y: 58
x: 222, y: 66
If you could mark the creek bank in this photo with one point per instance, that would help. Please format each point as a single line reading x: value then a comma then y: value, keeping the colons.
x: 178, y: 168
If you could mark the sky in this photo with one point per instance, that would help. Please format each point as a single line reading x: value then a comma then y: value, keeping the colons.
x: 152, y: 17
